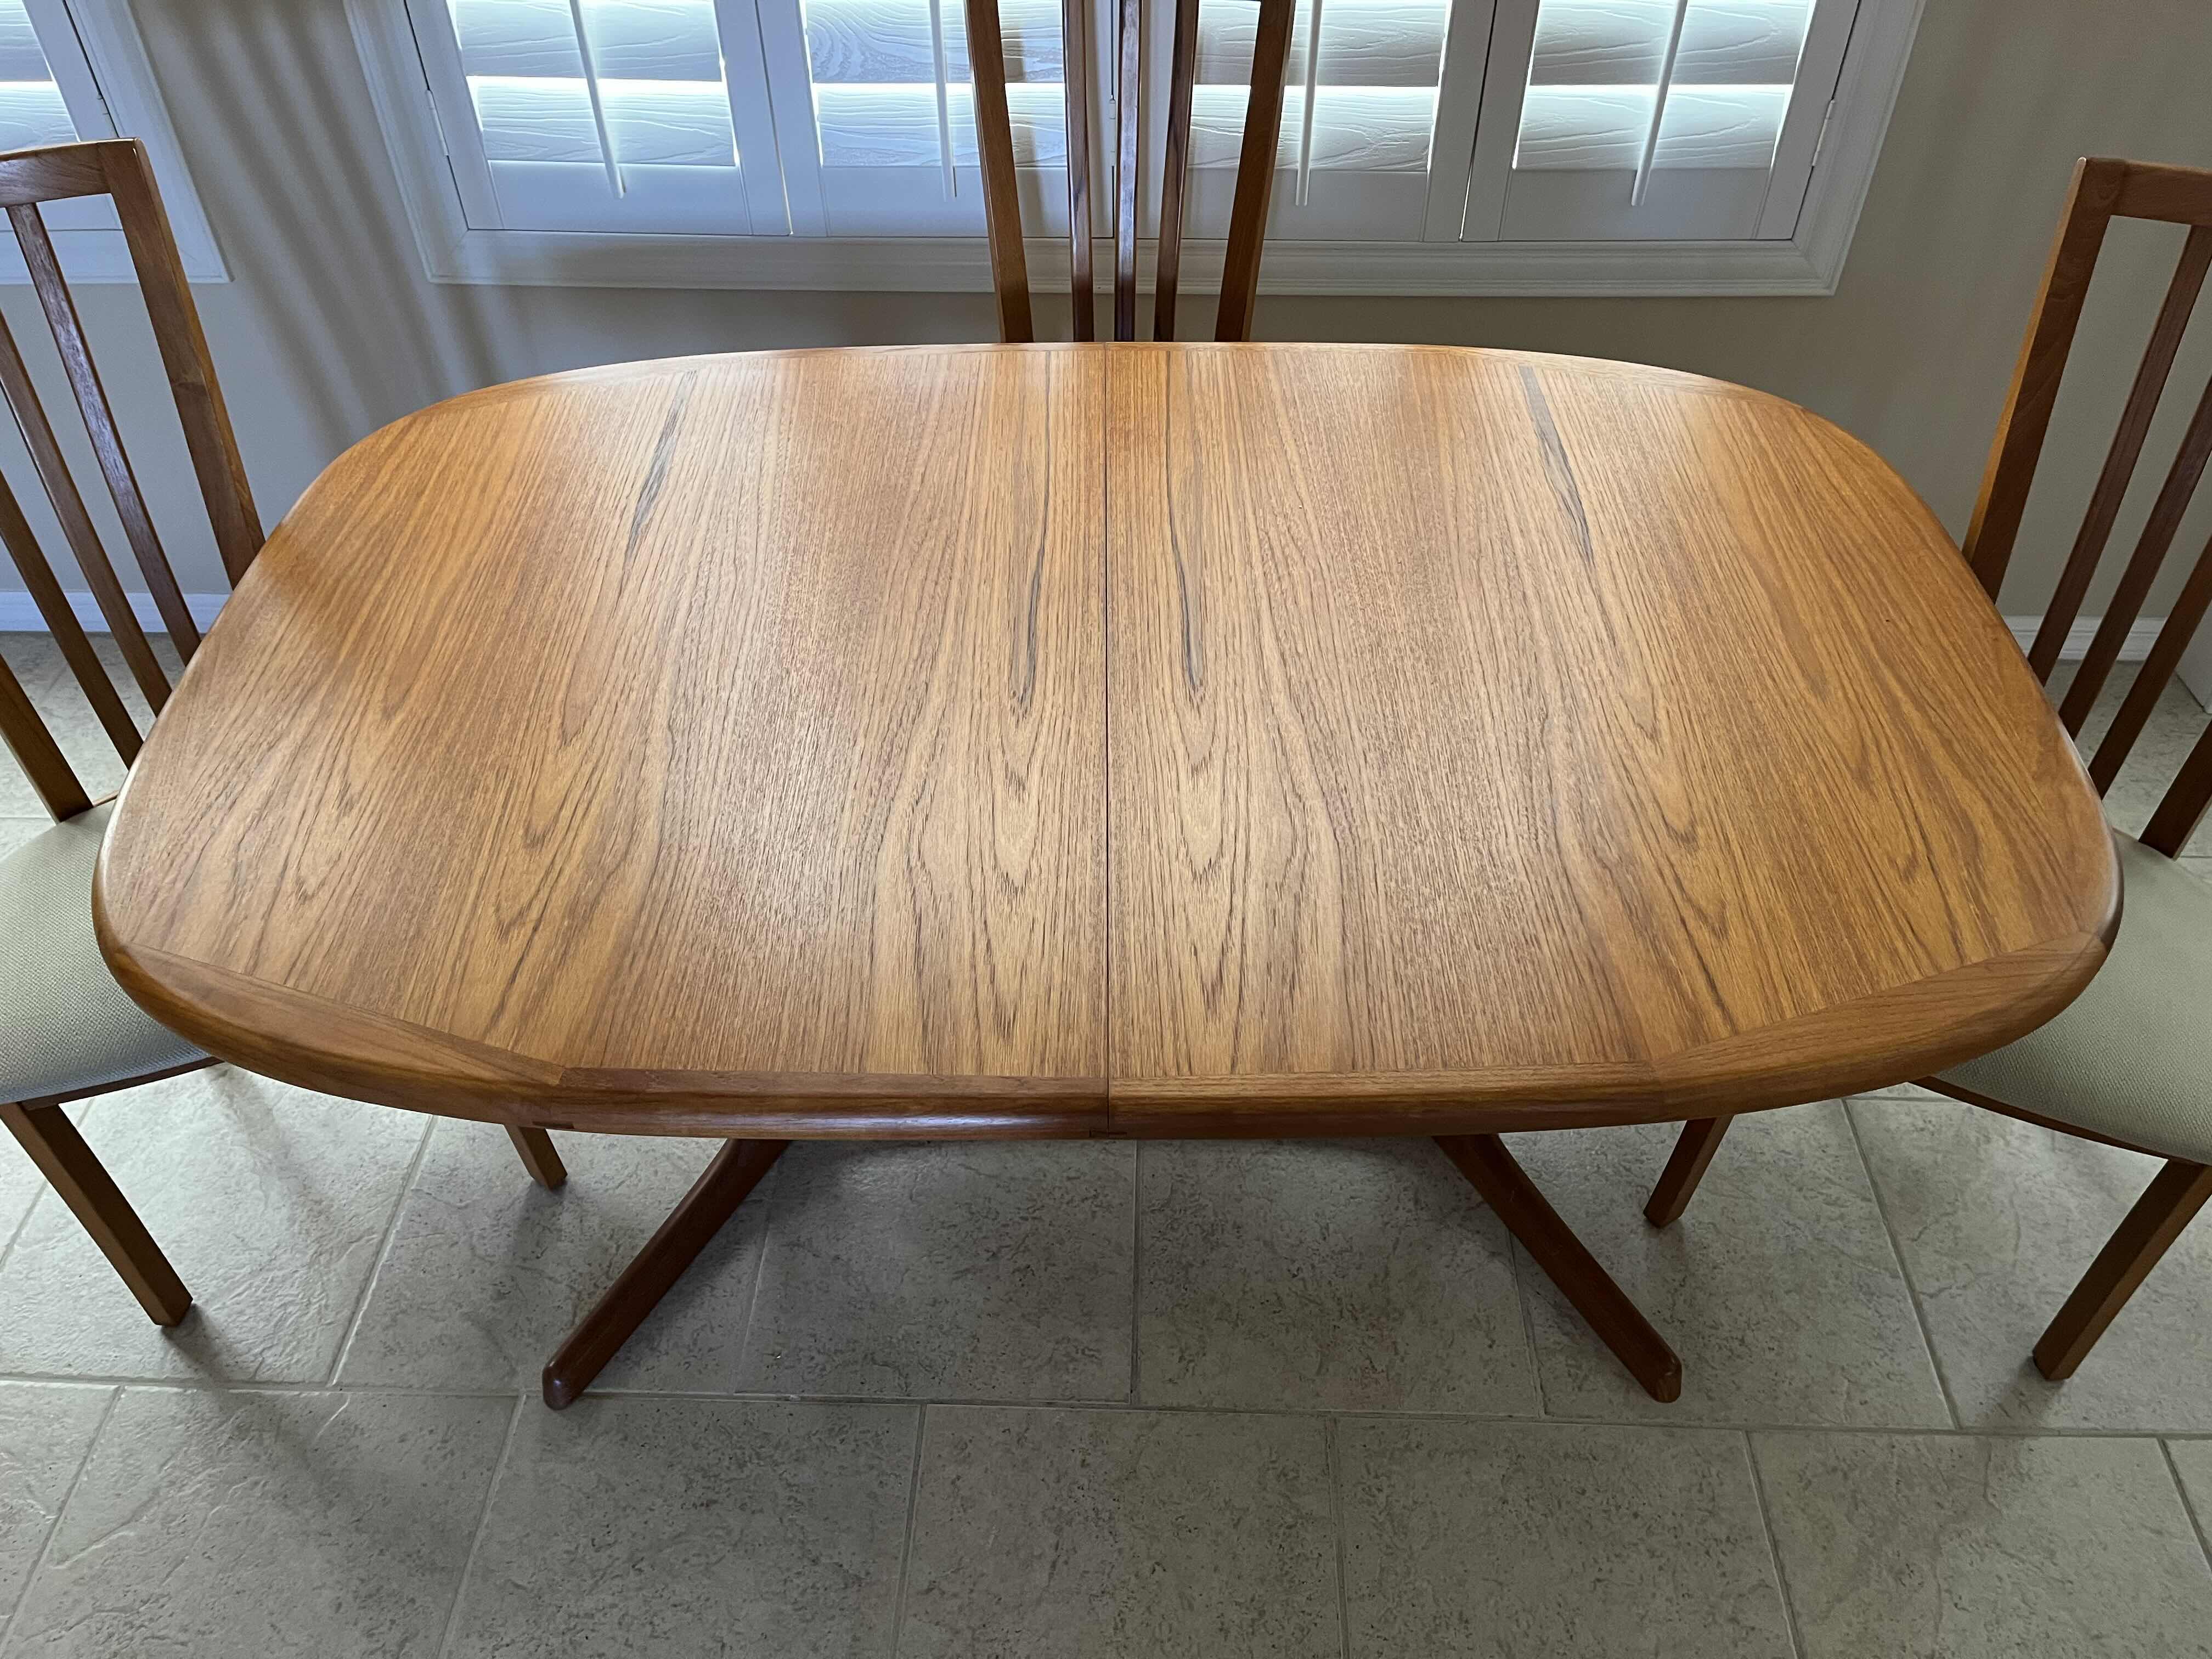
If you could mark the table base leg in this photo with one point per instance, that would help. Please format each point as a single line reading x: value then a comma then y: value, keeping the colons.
x: 1505, y: 1186
x: 713, y: 1198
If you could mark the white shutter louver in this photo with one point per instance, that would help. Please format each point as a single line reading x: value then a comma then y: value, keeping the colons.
x: 604, y: 115
x: 32, y: 111
x: 1661, y: 119
x: 1357, y: 166
x: 889, y: 147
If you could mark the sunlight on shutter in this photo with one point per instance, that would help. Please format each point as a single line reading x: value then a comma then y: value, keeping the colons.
x: 1660, y: 119
x: 32, y: 112
x: 603, y: 113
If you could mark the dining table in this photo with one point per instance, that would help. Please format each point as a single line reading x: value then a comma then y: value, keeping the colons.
x: 1107, y: 740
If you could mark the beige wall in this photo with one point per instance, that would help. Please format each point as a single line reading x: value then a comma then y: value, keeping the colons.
x: 330, y: 327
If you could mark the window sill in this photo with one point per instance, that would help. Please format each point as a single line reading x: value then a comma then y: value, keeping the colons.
x: 102, y: 256
x: 920, y: 265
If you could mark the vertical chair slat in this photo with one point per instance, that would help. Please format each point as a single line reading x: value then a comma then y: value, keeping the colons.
x: 35, y: 750
x: 1075, y: 80
x: 1255, y: 170
x: 2184, y: 807
x: 60, y: 308
x: 208, y: 438
x: 2188, y: 608
x: 994, y: 145
x: 61, y: 621
x: 2127, y: 601
x: 1129, y: 56
x: 1183, y: 76
x: 2027, y: 418
x: 77, y: 525
x: 2127, y: 446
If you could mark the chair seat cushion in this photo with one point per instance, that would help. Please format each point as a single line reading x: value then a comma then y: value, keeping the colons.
x: 64, y: 1023
x: 2131, y: 1057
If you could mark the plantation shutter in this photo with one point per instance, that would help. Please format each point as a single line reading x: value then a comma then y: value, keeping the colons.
x: 605, y: 115
x: 1653, y: 119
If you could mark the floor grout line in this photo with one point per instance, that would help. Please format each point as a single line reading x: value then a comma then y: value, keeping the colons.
x: 1903, y: 1267
x: 1773, y: 1547
x: 483, y: 1525
x: 54, y: 1526
x: 760, y: 1271
x: 1336, y: 1502
x: 2181, y: 1488
x: 383, y: 1252
x: 1662, y: 1425
x: 906, y: 1547
x: 1137, y: 1277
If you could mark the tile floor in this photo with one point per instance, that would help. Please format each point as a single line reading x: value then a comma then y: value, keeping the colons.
x: 1093, y: 1399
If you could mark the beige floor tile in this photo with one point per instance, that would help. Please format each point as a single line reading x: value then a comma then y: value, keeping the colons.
x: 209, y: 1525
x: 1352, y: 1275
x: 1553, y: 1540
x: 1946, y: 1546
x: 271, y: 1203
x: 665, y: 1528
x: 46, y: 1429
x: 2192, y: 1464
x: 1997, y: 1220
x: 952, y: 1270
x: 1045, y: 1533
x: 1779, y: 1289
x: 487, y: 1271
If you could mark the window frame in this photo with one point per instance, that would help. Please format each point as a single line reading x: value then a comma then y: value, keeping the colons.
x: 98, y: 60
x: 1809, y: 261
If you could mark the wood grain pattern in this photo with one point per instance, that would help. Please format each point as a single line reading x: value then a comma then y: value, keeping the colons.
x: 777, y: 781
x: 1496, y: 741
x: 1424, y: 774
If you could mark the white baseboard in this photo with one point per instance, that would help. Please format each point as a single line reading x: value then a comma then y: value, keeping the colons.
x: 18, y: 616
x: 2141, y: 637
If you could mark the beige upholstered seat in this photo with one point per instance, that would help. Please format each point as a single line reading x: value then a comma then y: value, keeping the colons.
x: 2131, y: 1058
x: 64, y: 1023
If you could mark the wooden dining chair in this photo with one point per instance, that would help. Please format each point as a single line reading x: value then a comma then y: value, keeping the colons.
x: 1256, y: 167
x: 2128, y: 1063
x: 67, y: 1031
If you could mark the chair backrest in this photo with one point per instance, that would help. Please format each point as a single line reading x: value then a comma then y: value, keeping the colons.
x: 117, y: 168
x: 2103, y: 189
x: 1256, y: 165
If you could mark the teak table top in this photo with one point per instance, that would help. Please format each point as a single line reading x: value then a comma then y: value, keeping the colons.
x: 1145, y: 740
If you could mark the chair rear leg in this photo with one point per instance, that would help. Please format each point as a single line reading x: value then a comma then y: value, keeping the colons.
x: 93, y: 1196
x: 1693, y: 1149
x: 539, y: 1157
x: 2174, y: 1195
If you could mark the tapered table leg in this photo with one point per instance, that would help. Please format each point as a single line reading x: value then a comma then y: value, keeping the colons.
x: 1505, y: 1186
x: 713, y: 1198
x: 1693, y: 1149
x: 538, y: 1156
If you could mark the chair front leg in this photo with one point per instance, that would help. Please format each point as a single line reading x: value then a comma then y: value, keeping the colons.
x: 2174, y: 1195
x: 93, y: 1197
